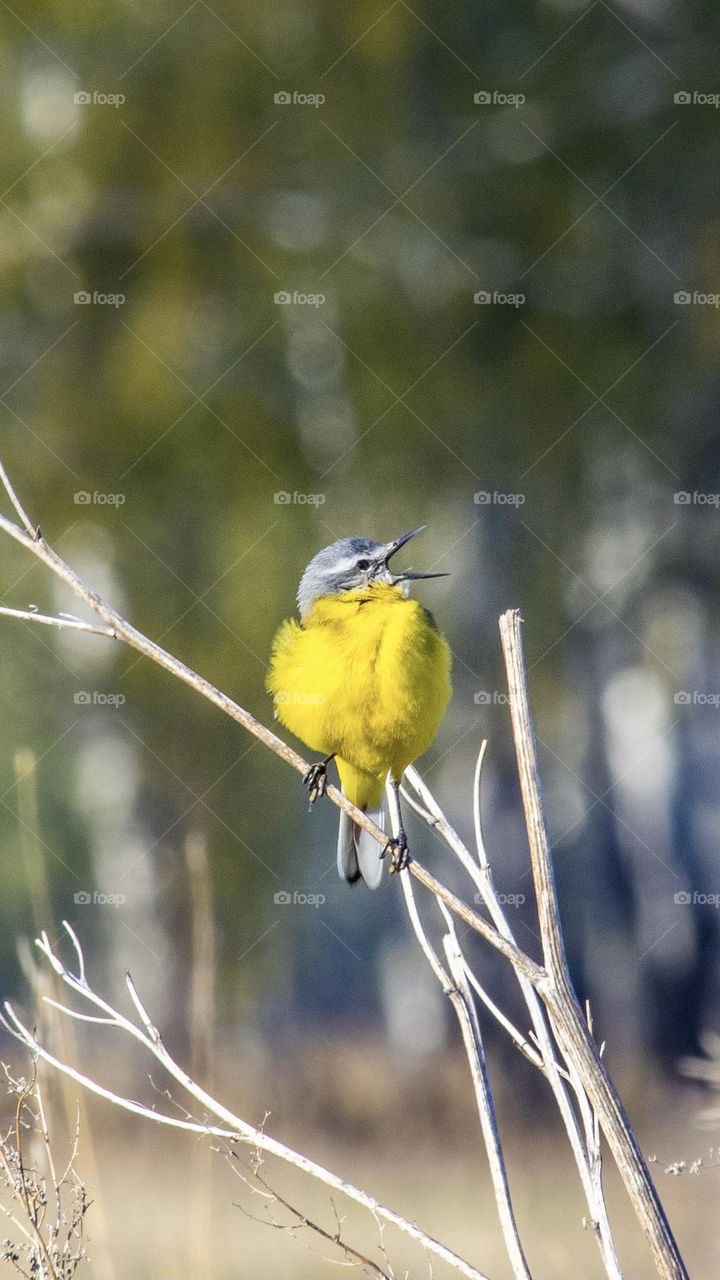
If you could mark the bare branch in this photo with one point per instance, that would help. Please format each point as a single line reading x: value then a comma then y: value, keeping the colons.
x: 29, y: 527
x: 231, y: 1127
x: 354, y: 1256
x: 63, y: 621
x: 566, y: 1052
x: 568, y: 1022
x: 50, y: 1212
x: 455, y: 986
x: 474, y: 1049
x: 119, y: 629
x: 556, y: 1074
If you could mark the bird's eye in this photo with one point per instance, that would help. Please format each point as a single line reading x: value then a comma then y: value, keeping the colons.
x: 363, y: 564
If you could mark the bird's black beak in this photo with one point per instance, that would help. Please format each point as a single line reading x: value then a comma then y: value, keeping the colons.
x: 408, y: 575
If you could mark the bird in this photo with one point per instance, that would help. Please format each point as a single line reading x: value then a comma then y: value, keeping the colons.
x: 363, y: 677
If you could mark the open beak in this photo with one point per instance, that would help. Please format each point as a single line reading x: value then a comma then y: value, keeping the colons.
x: 408, y: 575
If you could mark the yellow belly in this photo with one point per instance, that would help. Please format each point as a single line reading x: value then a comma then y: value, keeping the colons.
x: 367, y: 677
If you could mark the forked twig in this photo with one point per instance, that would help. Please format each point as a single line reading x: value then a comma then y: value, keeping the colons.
x: 544, y: 1056
x: 558, y: 1024
x: 118, y: 628
x: 231, y: 1127
x: 569, y: 1025
x: 454, y: 983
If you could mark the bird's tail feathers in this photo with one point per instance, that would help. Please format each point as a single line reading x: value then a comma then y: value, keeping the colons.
x: 358, y: 854
x: 347, y: 862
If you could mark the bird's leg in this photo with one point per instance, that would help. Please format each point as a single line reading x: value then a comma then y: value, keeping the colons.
x: 316, y: 778
x: 397, y: 846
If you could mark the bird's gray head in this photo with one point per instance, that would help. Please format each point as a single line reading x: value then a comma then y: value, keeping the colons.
x: 350, y: 564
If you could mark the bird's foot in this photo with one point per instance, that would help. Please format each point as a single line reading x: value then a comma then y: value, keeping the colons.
x: 316, y: 780
x: 397, y: 847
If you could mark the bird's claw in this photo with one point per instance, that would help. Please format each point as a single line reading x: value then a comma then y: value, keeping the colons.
x: 397, y: 847
x: 316, y: 780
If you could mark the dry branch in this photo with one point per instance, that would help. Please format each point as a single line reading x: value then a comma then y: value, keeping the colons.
x: 558, y: 1024
x: 569, y: 1025
x: 117, y: 628
x: 47, y: 1208
x: 232, y: 1127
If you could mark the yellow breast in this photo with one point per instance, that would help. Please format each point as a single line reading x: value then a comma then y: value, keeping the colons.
x: 367, y: 677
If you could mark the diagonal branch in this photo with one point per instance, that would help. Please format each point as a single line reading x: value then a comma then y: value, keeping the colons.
x: 559, y: 1022
x: 454, y: 983
x: 480, y: 873
x: 231, y: 1126
x: 118, y: 628
x: 569, y: 1025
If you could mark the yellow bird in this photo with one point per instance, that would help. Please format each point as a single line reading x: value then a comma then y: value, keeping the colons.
x: 363, y: 678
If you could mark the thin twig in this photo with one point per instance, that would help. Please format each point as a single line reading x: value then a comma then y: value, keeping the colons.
x: 549, y: 981
x: 569, y: 1024
x: 231, y: 1126
x: 454, y: 984
x: 64, y: 623
x: 119, y: 629
x: 475, y: 1052
x: 557, y: 1076
x: 29, y: 526
x: 354, y: 1256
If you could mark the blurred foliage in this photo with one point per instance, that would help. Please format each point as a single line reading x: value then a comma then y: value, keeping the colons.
x: 199, y: 399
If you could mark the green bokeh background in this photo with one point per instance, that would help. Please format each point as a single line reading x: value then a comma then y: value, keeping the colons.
x: 198, y: 399
x: 582, y: 412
